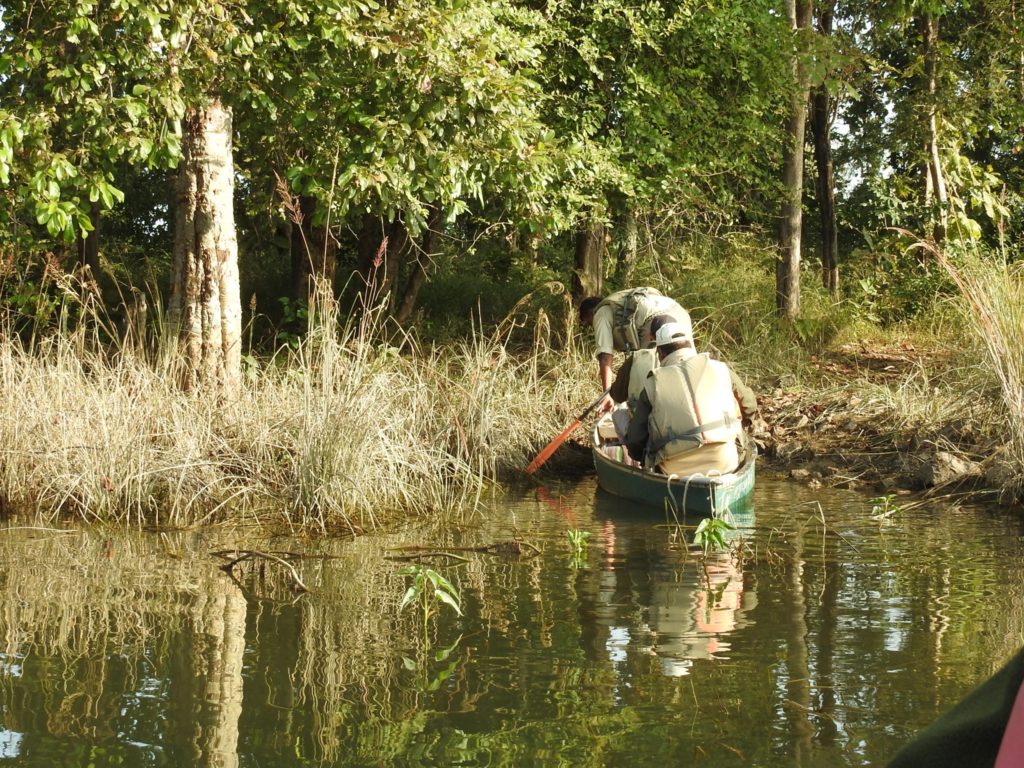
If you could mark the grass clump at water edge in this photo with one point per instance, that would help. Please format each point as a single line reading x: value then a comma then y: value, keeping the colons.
x: 340, y: 434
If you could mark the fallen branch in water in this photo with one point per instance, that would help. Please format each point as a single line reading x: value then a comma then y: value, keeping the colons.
x: 241, y: 555
x: 422, y: 556
x: 507, y: 548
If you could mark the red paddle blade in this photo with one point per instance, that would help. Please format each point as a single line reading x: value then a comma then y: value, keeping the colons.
x: 551, y: 447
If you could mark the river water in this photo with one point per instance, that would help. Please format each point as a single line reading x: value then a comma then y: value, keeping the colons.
x: 823, y: 637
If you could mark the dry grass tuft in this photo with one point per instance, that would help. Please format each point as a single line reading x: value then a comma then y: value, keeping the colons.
x: 992, y: 294
x: 343, y: 434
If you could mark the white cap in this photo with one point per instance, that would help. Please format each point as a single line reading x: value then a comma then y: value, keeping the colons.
x: 670, y: 333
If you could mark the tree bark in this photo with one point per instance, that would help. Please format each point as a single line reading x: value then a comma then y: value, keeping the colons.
x: 89, y: 246
x: 587, y: 275
x: 205, y: 312
x: 787, y: 272
x: 821, y: 126
x: 314, y: 253
x: 382, y: 250
x: 629, y: 239
x: 429, y: 249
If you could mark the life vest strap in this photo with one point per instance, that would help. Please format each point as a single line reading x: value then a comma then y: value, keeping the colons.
x: 694, y: 434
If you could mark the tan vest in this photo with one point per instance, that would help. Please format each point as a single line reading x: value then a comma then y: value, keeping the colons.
x: 692, y: 404
x: 644, y: 361
x: 625, y: 334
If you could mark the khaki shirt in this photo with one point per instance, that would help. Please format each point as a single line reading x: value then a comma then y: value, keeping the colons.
x: 609, y: 339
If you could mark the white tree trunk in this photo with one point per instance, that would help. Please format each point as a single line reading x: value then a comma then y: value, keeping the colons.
x: 935, y: 182
x: 787, y: 272
x: 205, y: 311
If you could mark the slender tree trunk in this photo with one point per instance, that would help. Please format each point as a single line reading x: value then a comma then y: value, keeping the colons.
x: 205, y: 311
x: 935, y: 181
x: 787, y: 272
x: 314, y: 254
x: 586, y: 277
x: 429, y: 249
x: 821, y: 125
x: 89, y: 246
x: 629, y: 240
x: 1020, y: 57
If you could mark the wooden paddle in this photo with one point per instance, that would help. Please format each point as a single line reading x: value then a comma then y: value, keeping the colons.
x: 551, y: 447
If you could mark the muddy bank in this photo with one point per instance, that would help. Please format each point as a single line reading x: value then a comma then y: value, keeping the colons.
x: 823, y: 433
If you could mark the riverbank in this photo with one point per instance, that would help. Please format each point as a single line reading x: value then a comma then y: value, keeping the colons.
x: 337, y: 436
x: 354, y: 429
x: 342, y: 437
x: 883, y: 418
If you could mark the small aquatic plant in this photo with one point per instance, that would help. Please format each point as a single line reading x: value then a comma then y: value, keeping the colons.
x: 429, y: 590
x: 578, y: 542
x: 578, y: 539
x: 883, y: 507
x: 710, y: 534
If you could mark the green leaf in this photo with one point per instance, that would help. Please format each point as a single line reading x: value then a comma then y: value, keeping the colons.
x: 447, y: 599
x: 409, y: 597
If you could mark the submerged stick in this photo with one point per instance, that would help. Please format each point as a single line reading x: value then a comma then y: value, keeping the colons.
x: 249, y: 554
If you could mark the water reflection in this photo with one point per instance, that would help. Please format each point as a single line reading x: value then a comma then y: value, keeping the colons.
x: 826, y: 643
x: 657, y: 596
x: 219, y: 632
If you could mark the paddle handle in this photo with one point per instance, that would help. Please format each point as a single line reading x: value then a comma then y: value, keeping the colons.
x: 550, y: 448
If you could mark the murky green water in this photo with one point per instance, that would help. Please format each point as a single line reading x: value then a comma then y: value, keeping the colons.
x: 824, y: 639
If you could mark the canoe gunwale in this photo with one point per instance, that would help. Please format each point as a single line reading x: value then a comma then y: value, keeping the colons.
x: 700, y: 494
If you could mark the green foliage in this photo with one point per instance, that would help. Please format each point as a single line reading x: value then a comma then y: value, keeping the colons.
x: 294, y: 321
x: 390, y: 108
x: 516, y: 121
x: 884, y: 149
x: 884, y: 507
x: 650, y: 115
x: 710, y: 534
x: 85, y: 87
x: 894, y: 281
x: 578, y: 539
x: 428, y: 590
x: 578, y: 543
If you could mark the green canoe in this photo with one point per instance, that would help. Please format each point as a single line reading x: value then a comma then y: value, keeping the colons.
x: 691, y: 495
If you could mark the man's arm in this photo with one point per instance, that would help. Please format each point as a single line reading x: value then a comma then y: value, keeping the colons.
x: 744, y: 396
x: 604, y: 362
x: 620, y: 387
x: 636, y: 435
x: 602, y: 323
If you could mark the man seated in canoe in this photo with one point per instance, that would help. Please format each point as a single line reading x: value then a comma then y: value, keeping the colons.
x: 622, y: 323
x: 690, y: 416
x: 631, y: 378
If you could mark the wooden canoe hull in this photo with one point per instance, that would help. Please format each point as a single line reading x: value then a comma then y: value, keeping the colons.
x: 692, y: 495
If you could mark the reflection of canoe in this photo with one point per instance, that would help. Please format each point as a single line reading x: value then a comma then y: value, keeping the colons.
x: 693, y: 494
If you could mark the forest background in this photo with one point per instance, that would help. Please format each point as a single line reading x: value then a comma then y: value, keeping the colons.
x: 318, y: 264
